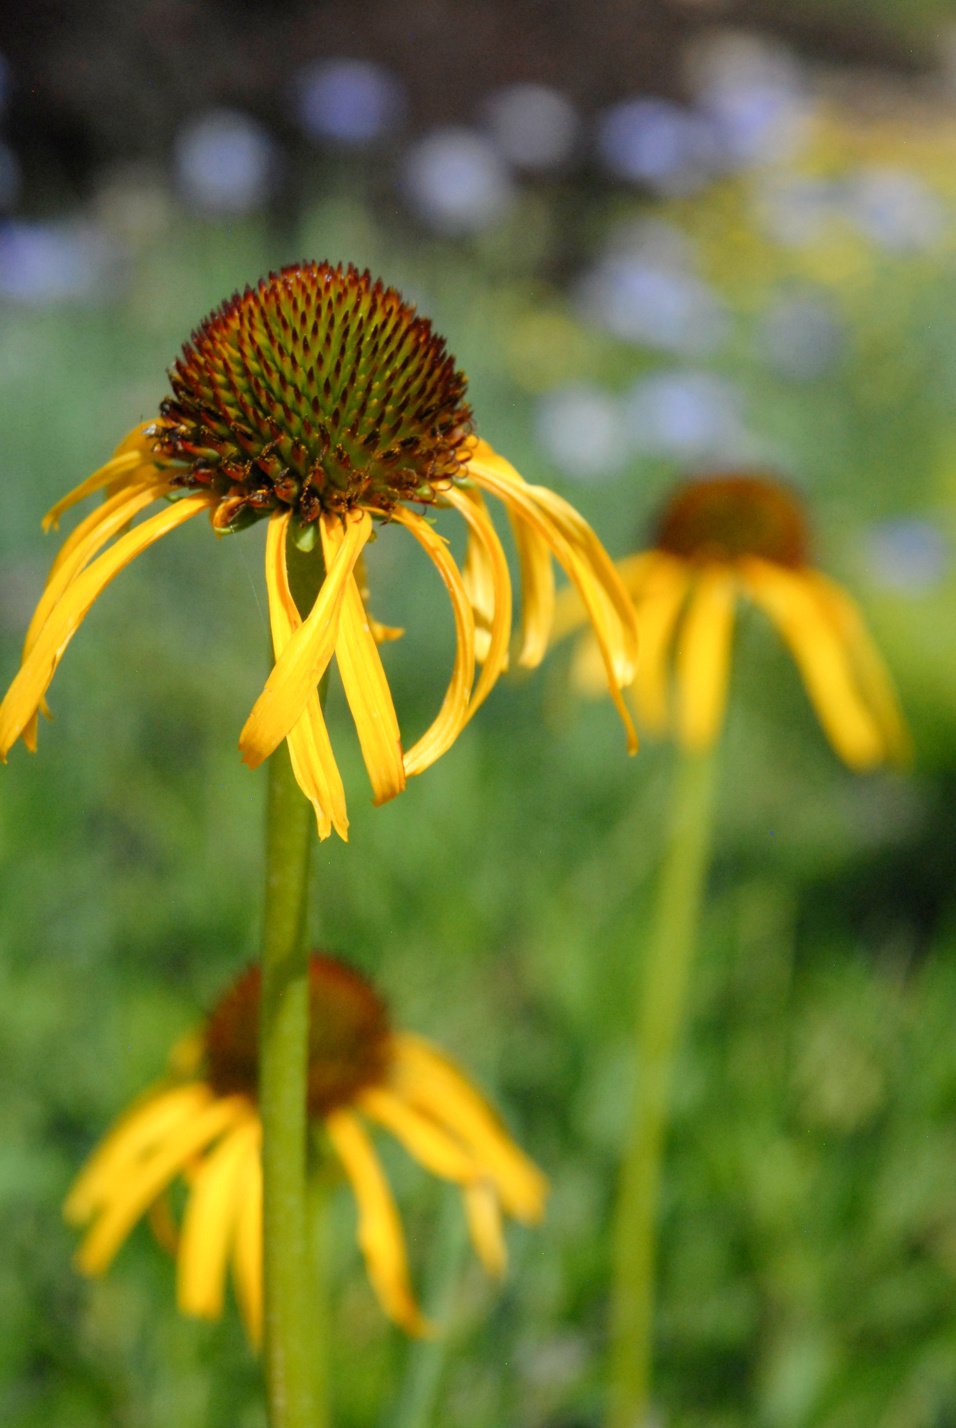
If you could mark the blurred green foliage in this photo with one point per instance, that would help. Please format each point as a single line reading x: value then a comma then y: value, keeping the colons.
x: 809, y: 1223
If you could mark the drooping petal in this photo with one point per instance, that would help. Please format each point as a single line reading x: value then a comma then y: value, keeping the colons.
x: 488, y: 583
x: 659, y: 595
x: 31, y: 683
x: 822, y: 657
x: 148, y: 1123
x: 310, y: 749
x: 576, y: 548
x: 483, y: 1210
x: 535, y: 629
x: 306, y: 657
x: 74, y: 555
x: 367, y: 691
x: 873, y: 678
x: 702, y: 661
x: 453, y: 715
x: 149, y: 1176
x: 215, y: 1201
x: 429, y: 1143
x: 380, y: 1233
x: 133, y: 454
x: 426, y: 1078
x: 247, y: 1247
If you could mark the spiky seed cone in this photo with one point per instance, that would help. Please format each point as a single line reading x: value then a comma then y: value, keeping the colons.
x: 319, y: 389
x: 348, y: 1036
x: 722, y: 517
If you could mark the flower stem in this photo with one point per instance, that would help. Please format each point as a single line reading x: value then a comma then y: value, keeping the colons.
x: 661, y: 1010
x: 296, y: 1389
x: 287, y: 1260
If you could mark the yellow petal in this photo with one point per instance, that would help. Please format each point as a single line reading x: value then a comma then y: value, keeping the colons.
x: 247, y: 1247
x: 153, y: 1119
x: 132, y: 455
x: 380, y: 1234
x: 535, y: 630
x: 306, y: 657
x: 426, y: 1078
x: 367, y: 692
x: 484, y: 1225
x: 488, y: 583
x: 209, y: 1222
x: 84, y: 543
x: 702, y: 662
x: 576, y: 548
x: 429, y: 1143
x: 875, y: 684
x: 78, y: 550
x: 822, y: 657
x: 453, y: 714
x: 31, y: 683
x: 659, y: 594
x: 310, y: 749
x: 149, y: 1176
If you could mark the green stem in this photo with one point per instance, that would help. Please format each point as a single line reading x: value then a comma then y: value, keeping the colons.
x: 295, y: 1388
x: 661, y: 1011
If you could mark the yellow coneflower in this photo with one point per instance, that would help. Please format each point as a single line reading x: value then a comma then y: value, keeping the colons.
x: 202, y: 1126
x: 319, y: 401
x: 724, y: 537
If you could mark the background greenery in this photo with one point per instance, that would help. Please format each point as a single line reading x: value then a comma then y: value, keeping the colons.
x: 809, y: 1219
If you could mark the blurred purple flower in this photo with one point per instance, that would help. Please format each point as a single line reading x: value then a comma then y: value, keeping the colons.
x: 349, y: 101
x: 456, y: 181
x: 795, y: 211
x: 534, y: 127
x: 908, y: 553
x: 755, y: 94
x: 54, y: 262
x: 801, y: 336
x: 657, y: 142
x: 226, y: 162
x: 645, y: 302
x: 895, y: 209
x: 580, y: 428
x: 686, y: 414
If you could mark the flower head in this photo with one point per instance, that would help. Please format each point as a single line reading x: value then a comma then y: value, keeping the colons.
x: 202, y: 1127
x: 733, y: 535
x: 319, y: 402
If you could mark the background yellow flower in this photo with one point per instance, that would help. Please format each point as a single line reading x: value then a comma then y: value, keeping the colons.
x: 202, y: 1128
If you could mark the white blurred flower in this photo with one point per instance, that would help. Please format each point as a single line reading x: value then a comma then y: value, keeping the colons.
x: 580, y: 428
x: 226, y: 162
x: 54, y: 262
x: 534, y: 126
x: 657, y: 142
x: 908, y: 553
x: 644, y: 302
x: 687, y: 414
x: 895, y: 209
x: 654, y: 239
x: 349, y: 101
x: 456, y: 181
x: 755, y: 93
x: 795, y: 211
x: 801, y: 336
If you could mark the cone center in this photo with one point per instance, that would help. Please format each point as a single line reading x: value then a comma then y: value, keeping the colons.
x: 349, y: 1038
x: 722, y: 518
